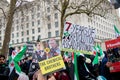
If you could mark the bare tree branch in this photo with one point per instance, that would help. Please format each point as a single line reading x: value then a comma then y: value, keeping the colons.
x: 80, y: 11
x: 57, y: 8
x: 96, y: 5
x: 88, y: 7
x: 3, y: 12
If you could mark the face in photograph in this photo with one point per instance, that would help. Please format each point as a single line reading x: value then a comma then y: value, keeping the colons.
x: 52, y: 43
x: 40, y: 46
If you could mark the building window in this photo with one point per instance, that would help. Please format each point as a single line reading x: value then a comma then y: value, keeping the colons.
x: 49, y: 26
x: 49, y: 34
x: 48, y: 17
x: 32, y: 10
x: 27, y: 38
x: 57, y: 41
x: 0, y: 26
x: 39, y: 36
x: 56, y: 15
x: 33, y: 31
x: 17, y: 41
x: 38, y: 14
x: 32, y: 16
x: 56, y: 24
x: 22, y: 26
x: 27, y: 32
x: 48, y: 9
x: 17, y: 27
x: 12, y: 41
x: 17, y: 21
x: 12, y: 35
x: 27, y: 25
x: 38, y: 22
x: 17, y: 34
x: 22, y: 33
x: 57, y: 33
x: 0, y: 37
x: 32, y: 23
x: 22, y: 40
x: 0, y: 44
x: 33, y: 38
x: 38, y: 30
x: 27, y: 18
x: 22, y: 19
x: 38, y: 7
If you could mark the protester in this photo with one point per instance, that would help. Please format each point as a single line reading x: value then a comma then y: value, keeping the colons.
x: 70, y: 68
x: 104, y: 67
x: 84, y: 74
x: 38, y: 76
x: 23, y: 76
x: 51, y: 77
x: 25, y: 64
x: 4, y: 69
x: 64, y: 75
x: 34, y: 67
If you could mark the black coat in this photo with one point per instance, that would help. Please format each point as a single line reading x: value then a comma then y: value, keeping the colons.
x: 13, y: 75
x: 4, y: 71
x: 33, y: 68
x: 82, y: 72
x: 25, y: 66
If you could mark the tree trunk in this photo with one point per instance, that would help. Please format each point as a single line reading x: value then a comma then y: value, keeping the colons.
x: 62, y: 27
x: 62, y: 20
x: 7, y: 35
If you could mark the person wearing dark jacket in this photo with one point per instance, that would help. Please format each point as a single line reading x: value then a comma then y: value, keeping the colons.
x: 83, y: 73
x: 25, y: 64
x: 34, y: 67
x: 104, y: 69
x: 4, y: 69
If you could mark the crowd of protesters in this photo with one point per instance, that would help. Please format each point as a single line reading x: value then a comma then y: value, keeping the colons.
x: 86, y: 71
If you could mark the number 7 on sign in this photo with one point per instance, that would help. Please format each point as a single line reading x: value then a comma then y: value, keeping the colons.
x: 66, y: 34
x: 69, y: 25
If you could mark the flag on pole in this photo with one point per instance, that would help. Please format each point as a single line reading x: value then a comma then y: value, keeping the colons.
x: 95, y: 60
x: 66, y: 57
x: 100, y: 50
x: 94, y: 50
x: 76, y: 77
x: 117, y: 32
x: 15, y: 58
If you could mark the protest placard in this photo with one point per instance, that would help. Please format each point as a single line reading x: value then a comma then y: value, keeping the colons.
x: 30, y: 48
x: 51, y: 65
x: 77, y: 38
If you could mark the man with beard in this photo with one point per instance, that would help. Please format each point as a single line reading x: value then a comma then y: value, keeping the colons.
x: 4, y: 69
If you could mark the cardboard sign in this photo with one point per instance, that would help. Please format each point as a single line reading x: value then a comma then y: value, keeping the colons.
x: 30, y: 47
x: 78, y: 37
x: 51, y: 65
x: 112, y: 43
